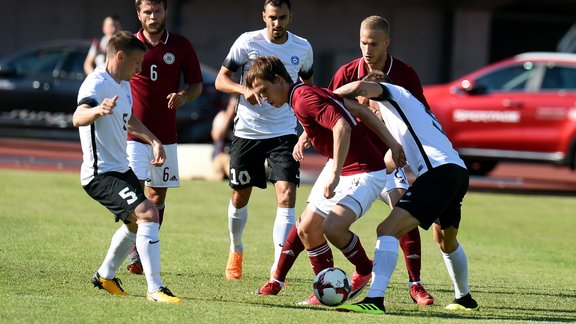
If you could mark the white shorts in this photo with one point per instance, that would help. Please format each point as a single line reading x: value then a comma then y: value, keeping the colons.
x: 166, y: 176
x: 356, y: 192
x: 395, y: 180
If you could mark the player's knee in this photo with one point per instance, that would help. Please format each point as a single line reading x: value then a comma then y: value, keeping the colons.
x: 146, y: 212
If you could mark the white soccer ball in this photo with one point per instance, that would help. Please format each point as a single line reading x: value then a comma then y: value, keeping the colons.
x: 332, y: 286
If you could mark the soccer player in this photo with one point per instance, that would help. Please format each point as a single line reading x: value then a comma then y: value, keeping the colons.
x: 434, y: 199
x: 357, y: 175
x: 104, y: 117
x: 374, y: 42
x: 262, y: 132
x: 157, y: 95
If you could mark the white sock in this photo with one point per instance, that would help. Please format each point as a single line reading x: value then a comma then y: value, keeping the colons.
x: 120, y: 246
x: 457, y: 266
x: 385, y: 259
x: 148, y: 245
x: 282, y: 226
x: 237, y: 218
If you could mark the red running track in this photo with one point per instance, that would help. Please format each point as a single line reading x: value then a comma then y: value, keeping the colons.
x: 507, y: 177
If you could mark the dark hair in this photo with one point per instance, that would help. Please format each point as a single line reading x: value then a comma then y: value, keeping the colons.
x: 377, y: 76
x: 267, y: 68
x: 277, y: 3
x: 164, y: 3
x: 124, y: 41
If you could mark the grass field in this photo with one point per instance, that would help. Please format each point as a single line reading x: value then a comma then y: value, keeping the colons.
x: 521, y: 253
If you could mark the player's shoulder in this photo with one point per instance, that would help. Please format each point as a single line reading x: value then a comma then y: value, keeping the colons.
x: 350, y: 66
x: 399, y: 63
x: 254, y: 35
x: 178, y: 39
x: 298, y: 39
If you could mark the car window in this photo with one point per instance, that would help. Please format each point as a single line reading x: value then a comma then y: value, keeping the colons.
x: 559, y: 78
x: 39, y: 61
x: 511, y: 78
x: 73, y: 66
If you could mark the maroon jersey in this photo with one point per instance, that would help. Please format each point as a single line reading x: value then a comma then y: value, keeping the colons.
x: 399, y: 72
x: 318, y: 110
x: 161, y: 73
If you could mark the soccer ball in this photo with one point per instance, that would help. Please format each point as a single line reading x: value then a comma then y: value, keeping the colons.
x: 332, y: 286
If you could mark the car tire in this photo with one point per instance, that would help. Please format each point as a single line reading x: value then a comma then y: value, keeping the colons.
x: 480, y: 168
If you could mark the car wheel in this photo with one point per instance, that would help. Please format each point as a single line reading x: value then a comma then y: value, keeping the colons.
x: 480, y: 168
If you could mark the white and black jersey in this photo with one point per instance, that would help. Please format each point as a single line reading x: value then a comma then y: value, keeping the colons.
x: 104, y: 141
x: 266, y: 121
x: 417, y: 129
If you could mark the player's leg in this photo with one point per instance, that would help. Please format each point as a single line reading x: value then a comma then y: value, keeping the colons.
x: 445, y: 233
x: 410, y: 243
x: 290, y: 251
x: 360, y: 192
x: 285, y: 174
x: 139, y: 157
x: 316, y: 245
x: 120, y: 193
x: 246, y: 171
x: 148, y: 245
x: 388, y: 231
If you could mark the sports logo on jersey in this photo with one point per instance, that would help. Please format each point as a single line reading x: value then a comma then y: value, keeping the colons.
x: 295, y: 60
x: 169, y: 58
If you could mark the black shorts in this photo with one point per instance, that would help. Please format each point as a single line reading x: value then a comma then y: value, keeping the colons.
x: 247, y: 161
x: 121, y: 193
x: 436, y: 196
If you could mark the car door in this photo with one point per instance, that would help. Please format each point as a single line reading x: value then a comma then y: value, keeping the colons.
x: 489, y: 117
x: 67, y: 79
x: 25, y: 89
x: 549, y: 122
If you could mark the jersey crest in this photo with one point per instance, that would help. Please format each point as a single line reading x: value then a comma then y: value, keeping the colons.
x: 295, y: 60
x: 169, y: 58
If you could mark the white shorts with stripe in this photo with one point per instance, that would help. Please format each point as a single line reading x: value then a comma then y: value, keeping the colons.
x: 356, y: 192
x: 140, y: 155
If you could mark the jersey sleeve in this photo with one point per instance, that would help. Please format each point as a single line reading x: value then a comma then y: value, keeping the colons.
x: 237, y: 56
x: 191, y: 67
x: 91, y: 92
x: 339, y: 79
x: 307, y: 68
x: 326, y: 111
x: 415, y: 86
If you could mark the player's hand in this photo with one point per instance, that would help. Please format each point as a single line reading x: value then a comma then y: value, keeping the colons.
x: 159, y: 154
x: 298, y: 151
x: 252, y: 97
x: 331, y: 185
x: 398, y: 155
x: 175, y: 100
x: 107, y: 106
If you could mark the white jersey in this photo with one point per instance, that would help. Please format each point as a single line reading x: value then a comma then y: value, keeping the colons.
x: 417, y: 129
x: 104, y: 141
x: 266, y: 121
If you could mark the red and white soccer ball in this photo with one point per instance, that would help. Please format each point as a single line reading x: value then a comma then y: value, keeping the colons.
x: 332, y: 286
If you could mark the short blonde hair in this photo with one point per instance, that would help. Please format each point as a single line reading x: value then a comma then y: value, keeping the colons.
x: 376, y: 22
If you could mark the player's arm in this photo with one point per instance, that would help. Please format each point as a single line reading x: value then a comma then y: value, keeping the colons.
x: 225, y: 83
x: 302, y: 144
x: 365, y: 89
x: 189, y: 92
x: 377, y: 126
x: 341, y: 132
x: 137, y: 129
x: 88, y: 110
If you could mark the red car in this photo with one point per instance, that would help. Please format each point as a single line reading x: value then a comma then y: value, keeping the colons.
x: 522, y: 109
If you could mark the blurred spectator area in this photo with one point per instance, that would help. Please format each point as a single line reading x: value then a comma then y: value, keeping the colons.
x: 441, y: 39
